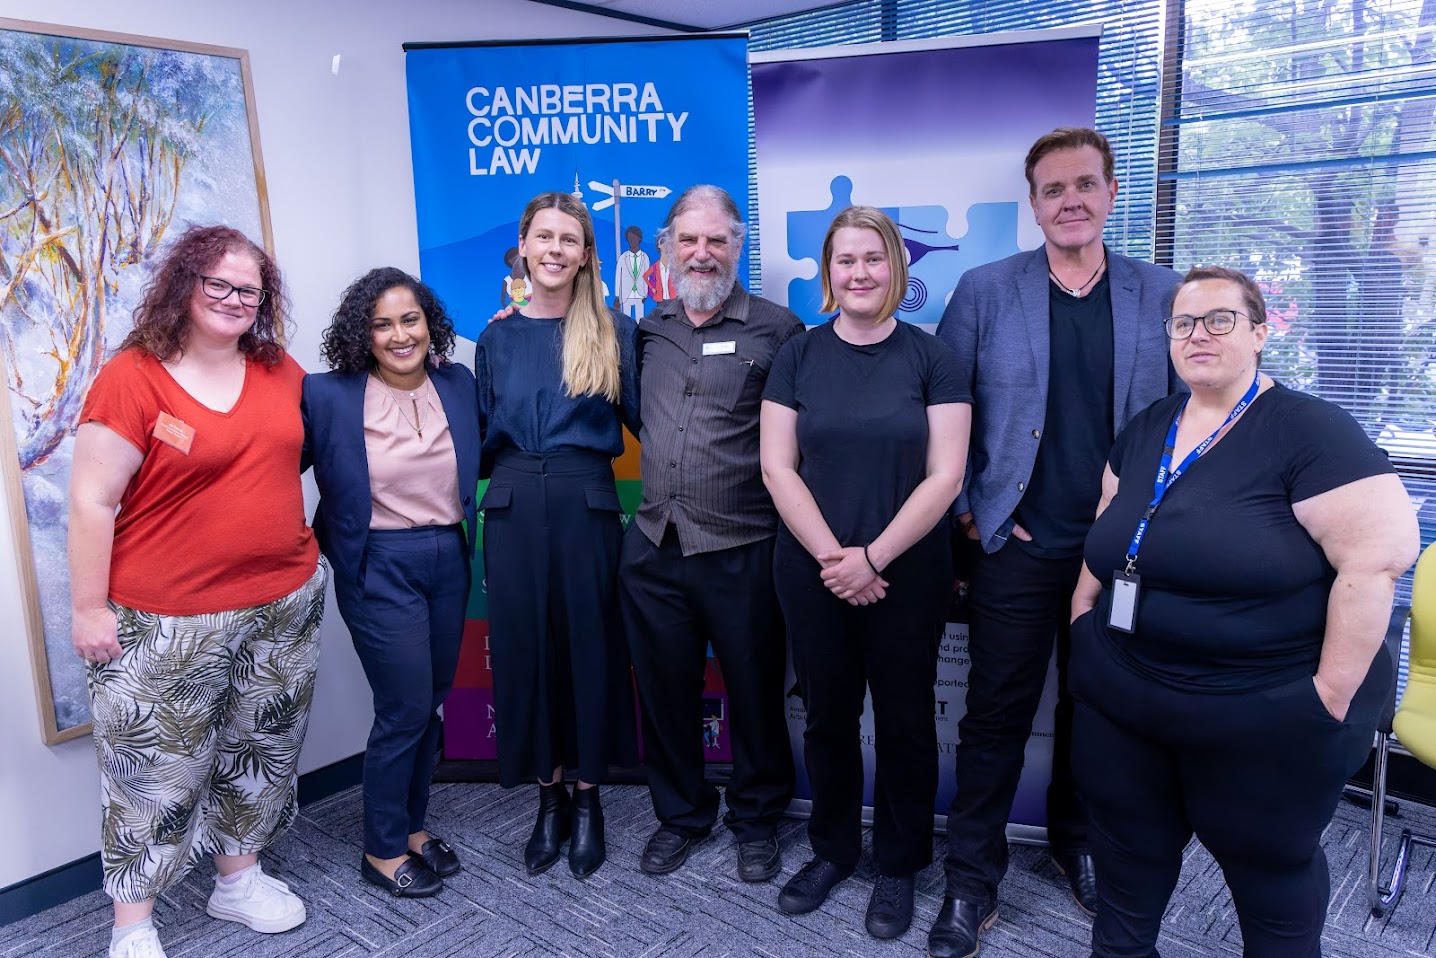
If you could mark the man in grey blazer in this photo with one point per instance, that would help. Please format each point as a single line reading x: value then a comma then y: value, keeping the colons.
x: 1060, y: 346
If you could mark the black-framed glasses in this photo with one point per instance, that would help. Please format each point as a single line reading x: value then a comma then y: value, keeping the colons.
x: 216, y: 288
x: 1219, y: 322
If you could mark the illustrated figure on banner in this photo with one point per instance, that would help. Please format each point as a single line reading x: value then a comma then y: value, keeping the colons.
x: 630, y: 278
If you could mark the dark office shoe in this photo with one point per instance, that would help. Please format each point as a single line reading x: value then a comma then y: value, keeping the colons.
x: 890, y: 908
x: 667, y: 850
x: 586, y: 850
x: 439, y: 856
x: 958, y: 927
x: 759, y: 860
x: 808, y: 889
x: 1082, y: 875
x: 411, y: 880
x: 551, y: 829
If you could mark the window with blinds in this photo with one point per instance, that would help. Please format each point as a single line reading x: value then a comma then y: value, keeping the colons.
x: 1128, y: 85
x: 1297, y: 146
x: 1292, y: 139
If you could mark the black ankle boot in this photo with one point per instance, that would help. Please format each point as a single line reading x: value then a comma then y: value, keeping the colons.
x: 586, y: 850
x: 551, y: 829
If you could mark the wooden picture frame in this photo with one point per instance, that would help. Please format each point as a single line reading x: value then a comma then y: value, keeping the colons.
x: 110, y: 146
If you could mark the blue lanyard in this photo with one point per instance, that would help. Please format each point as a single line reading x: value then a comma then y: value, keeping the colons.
x: 1166, y: 475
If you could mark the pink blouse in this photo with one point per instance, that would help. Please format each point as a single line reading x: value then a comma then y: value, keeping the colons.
x: 413, y: 479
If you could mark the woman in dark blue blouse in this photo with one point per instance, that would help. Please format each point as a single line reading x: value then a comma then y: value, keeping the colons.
x: 556, y: 385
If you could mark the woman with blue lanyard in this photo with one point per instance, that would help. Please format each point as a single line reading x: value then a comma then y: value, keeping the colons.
x: 1227, y: 660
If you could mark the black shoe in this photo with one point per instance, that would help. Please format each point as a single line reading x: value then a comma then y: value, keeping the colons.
x: 667, y: 850
x: 958, y: 927
x: 890, y: 908
x: 586, y: 850
x: 439, y: 856
x: 1082, y: 876
x: 759, y: 860
x: 808, y: 889
x: 551, y: 829
x: 412, y: 879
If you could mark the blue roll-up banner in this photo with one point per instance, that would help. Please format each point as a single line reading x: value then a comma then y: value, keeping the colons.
x: 935, y: 133
x: 622, y: 123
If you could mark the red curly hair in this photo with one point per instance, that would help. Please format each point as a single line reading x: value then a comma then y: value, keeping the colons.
x: 162, y: 318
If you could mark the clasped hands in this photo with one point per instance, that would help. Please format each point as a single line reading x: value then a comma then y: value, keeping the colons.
x: 847, y: 574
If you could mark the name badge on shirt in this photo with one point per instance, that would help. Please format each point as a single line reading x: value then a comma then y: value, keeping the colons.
x: 720, y: 349
x: 172, y: 431
x: 1125, y: 588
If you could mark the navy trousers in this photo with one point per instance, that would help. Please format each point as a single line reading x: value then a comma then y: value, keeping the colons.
x: 407, y: 621
x: 1254, y: 775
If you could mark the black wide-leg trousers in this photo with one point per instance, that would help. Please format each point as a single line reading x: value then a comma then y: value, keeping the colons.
x: 1254, y: 775
x: 840, y: 653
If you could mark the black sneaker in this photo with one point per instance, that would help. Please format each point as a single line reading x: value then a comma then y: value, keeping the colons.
x: 890, y: 908
x: 807, y: 890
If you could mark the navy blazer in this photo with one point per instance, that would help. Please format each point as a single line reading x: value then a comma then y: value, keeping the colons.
x: 333, y: 409
x: 999, y: 324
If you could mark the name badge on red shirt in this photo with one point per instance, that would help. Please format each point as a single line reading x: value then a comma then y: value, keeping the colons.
x: 172, y: 431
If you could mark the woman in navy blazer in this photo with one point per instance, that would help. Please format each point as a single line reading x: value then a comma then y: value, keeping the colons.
x: 393, y: 437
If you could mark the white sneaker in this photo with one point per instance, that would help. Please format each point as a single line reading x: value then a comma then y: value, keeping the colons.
x: 140, y: 944
x: 263, y: 903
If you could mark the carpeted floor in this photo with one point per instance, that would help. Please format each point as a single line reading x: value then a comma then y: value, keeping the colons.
x: 493, y: 909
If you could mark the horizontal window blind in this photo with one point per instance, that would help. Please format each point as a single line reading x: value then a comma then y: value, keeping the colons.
x: 1128, y: 87
x: 1297, y: 146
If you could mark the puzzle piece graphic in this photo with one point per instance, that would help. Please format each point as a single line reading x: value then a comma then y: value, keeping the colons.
x: 935, y: 260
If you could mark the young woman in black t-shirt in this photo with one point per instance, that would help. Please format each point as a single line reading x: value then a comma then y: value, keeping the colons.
x: 864, y: 443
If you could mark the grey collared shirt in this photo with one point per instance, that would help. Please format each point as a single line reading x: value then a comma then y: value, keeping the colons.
x: 701, y: 390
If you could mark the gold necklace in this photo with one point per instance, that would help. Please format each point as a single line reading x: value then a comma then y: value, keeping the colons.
x: 417, y: 424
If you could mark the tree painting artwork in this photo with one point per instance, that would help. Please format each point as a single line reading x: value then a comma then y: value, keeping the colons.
x: 110, y: 146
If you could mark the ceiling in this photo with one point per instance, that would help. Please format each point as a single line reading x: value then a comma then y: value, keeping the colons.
x: 691, y: 15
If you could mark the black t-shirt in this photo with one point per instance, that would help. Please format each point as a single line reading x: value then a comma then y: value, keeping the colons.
x: 862, y: 420
x: 1234, y: 591
x: 1066, y: 484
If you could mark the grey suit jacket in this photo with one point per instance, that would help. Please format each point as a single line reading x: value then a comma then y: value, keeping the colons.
x: 998, y: 324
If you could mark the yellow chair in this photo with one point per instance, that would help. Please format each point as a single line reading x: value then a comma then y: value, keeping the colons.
x: 1413, y: 731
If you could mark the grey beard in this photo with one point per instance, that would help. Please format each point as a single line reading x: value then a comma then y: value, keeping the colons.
x: 705, y: 296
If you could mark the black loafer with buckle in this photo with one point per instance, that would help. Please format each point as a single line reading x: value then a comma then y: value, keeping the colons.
x: 412, y: 879
x: 439, y: 856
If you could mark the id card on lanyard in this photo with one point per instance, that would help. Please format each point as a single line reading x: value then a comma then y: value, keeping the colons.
x: 1126, y: 584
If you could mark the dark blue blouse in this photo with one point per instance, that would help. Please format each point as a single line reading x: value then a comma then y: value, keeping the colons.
x: 518, y: 364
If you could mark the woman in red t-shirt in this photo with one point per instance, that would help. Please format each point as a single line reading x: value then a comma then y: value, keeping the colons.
x: 196, y: 587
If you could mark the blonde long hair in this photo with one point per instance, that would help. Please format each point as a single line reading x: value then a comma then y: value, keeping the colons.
x: 590, y: 343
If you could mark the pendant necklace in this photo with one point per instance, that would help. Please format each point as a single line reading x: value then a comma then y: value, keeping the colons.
x: 417, y: 423
x: 1076, y: 291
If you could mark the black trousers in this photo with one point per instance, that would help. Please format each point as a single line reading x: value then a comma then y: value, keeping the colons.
x: 1255, y: 776
x: 407, y: 622
x: 562, y: 691
x: 674, y: 607
x: 840, y: 652
x: 1019, y: 602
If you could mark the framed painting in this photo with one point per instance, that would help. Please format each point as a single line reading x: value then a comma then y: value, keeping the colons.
x: 110, y: 146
